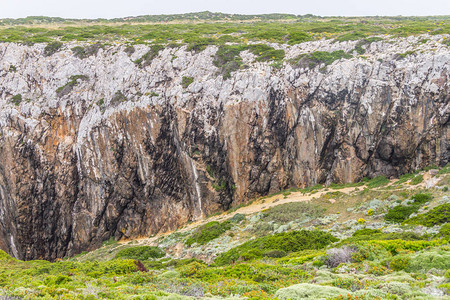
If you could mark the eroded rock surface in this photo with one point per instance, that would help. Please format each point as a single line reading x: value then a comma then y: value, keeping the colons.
x: 127, y: 151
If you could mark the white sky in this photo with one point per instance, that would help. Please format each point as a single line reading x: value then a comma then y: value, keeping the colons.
x: 123, y: 8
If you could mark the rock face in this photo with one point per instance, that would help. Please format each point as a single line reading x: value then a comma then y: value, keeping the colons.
x: 125, y: 151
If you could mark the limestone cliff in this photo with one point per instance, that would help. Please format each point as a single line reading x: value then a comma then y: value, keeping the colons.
x: 98, y: 146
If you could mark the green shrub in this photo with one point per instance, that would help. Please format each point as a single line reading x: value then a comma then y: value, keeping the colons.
x: 275, y: 253
x: 446, y: 169
x: 447, y: 274
x: 422, y: 198
x: 228, y: 59
x: 444, y: 232
x: 53, y: 280
x: 404, y: 178
x: 118, y: 266
x: 400, y: 56
x: 367, y: 41
x: 141, y: 253
x: 68, y: 87
x: 287, y: 212
x: 111, y: 240
x: 416, y: 180
x: 397, y: 246
x: 199, y: 44
x: 366, y: 231
x: 437, y: 216
x: 378, y: 181
x: 287, y: 241
x: 186, y: 81
x: 348, y: 283
x: 266, y: 53
x: 399, y: 263
x: 237, y: 218
x: 208, y: 232
x: 384, y: 249
x: 319, y: 57
x: 377, y: 235
x: 400, y: 213
x: 83, y: 52
x: 310, y: 291
x: 369, y: 251
x: 129, y: 50
x: 352, y: 36
x: 298, y: 37
x: 219, y: 185
x: 52, y: 48
x: 147, y: 58
x: 424, y: 261
x: 118, y: 98
x: 17, y: 99
x: 192, y: 270
x: 4, y: 256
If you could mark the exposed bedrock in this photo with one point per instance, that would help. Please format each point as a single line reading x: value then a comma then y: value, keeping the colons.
x: 127, y: 152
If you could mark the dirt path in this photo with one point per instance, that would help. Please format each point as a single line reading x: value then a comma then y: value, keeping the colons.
x: 267, y: 202
x: 254, y: 207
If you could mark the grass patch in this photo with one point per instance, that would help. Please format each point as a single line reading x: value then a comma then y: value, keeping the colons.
x: 186, y: 81
x: 404, y: 178
x: 378, y: 181
x: 416, y: 180
x: 445, y: 170
x: 208, y: 232
x: 287, y: 212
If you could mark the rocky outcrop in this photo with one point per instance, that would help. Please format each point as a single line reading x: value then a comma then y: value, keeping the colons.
x: 99, y: 147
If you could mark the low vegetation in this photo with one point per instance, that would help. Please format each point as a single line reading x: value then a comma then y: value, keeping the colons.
x: 202, y: 29
x: 68, y: 87
x: 284, y: 213
x: 228, y: 59
x: 52, y: 48
x: 437, y: 216
x: 277, y: 245
x: 402, y: 212
x: 141, y: 253
x: 208, y: 232
x: 17, y: 99
x: 363, y: 244
x: 147, y: 58
x: 84, y: 52
x: 186, y: 81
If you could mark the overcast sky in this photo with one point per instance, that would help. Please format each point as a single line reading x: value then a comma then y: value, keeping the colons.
x: 123, y: 8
